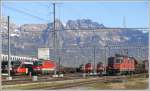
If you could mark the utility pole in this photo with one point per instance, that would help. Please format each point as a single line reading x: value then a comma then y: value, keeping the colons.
x: 54, y: 36
x: 55, y: 44
x: 0, y: 58
x: 59, y: 65
x: 9, y: 53
x: 105, y: 49
x: 54, y: 32
x: 105, y: 56
x: 77, y: 61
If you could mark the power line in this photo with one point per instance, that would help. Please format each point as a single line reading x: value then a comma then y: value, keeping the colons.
x: 36, y: 11
x: 26, y: 13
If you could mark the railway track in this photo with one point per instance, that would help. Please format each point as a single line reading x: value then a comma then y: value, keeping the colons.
x: 70, y: 85
x: 30, y: 81
x: 80, y: 83
x: 25, y: 79
x: 67, y: 83
x: 22, y: 80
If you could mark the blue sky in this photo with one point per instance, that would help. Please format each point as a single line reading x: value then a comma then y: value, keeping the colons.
x: 109, y: 13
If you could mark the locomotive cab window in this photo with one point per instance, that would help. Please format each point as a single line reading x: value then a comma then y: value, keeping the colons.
x: 38, y: 63
x: 118, y: 61
x: 27, y: 65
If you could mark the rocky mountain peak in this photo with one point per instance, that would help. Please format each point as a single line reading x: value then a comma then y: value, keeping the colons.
x: 83, y: 24
x: 33, y: 27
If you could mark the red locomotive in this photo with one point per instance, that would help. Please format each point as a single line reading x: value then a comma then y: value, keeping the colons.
x: 27, y: 67
x: 121, y: 64
x: 146, y: 65
x: 17, y: 67
x: 100, y: 68
x: 23, y: 68
x: 88, y: 68
x: 44, y: 66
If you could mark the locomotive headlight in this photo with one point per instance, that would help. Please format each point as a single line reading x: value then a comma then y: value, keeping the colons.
x: 11, y: 68
x: 38, y: 68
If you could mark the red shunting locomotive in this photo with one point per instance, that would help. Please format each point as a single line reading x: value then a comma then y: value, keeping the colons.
x: 121, y: 65
x: 100, y: 68
x: 88, y: 68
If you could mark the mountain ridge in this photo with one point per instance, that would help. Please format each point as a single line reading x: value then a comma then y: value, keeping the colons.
x: 30, y: 37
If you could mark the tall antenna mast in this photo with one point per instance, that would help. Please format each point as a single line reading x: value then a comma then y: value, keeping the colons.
x: 124, y: 22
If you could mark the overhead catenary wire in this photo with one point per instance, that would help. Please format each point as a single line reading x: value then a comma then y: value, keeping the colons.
x: 43, y: 5
x: 26, y: 13
x: 46, y: 14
